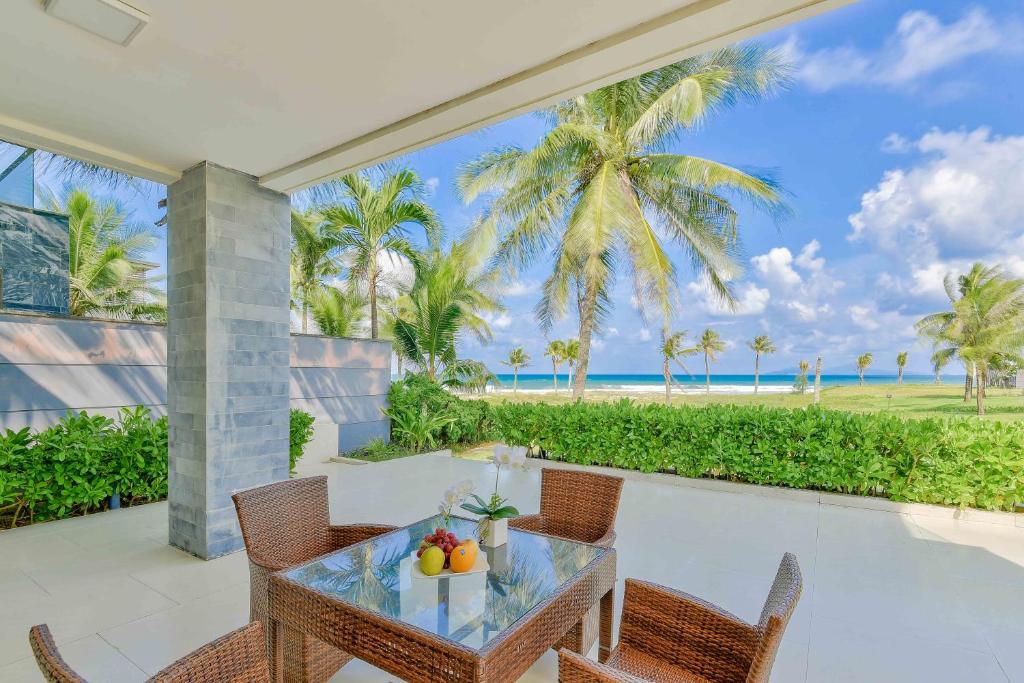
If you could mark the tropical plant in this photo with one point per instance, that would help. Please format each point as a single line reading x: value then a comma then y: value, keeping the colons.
x: 556, y: 351
x: 599, y: 193
x: 468, y: 374
x: 371, y: 223
x: 940, y: 359
x: 300, y: 431
x: 863, y: 363
x: 572, y: 355
x: 760, y: 345
x: 417, y: 428
x: 901, y: 363
x: 107, y: 274
x: 451, y: 294
x: 710, y: 344
x: 336, y: 312
x: 673, y: 350
x: 517, y: 358
x: 985, y: 325
x: 314, y: 256
x: 800, y: 381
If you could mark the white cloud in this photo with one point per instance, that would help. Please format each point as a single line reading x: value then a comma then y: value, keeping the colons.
x: 643, y: 334
x: 776, y: 267
x: 520, y: 288
x: 611, y: 332
x: 499, y: 321
x: 894, y: 143
x: 956, y: 201
x: 807, y: 312
x: 596, y: 344
x: 920, y: 45
x: 750, y: 299
x: 807, y: 259
x: 430, y: 186
x: 863, y: 316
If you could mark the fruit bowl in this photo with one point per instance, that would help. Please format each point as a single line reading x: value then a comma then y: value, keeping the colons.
x: 479, y: 566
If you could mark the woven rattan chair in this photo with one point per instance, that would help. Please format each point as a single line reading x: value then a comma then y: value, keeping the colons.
x: 285, y: 524
x: 577, y: 505
x: 668, y: 636
x: 580, y: 506
x: 238, y: 657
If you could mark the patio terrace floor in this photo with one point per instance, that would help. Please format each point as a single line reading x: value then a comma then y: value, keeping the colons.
x: 888, y: 596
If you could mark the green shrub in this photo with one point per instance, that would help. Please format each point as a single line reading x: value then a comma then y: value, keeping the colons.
x: 461, y: 421
x: 968, y: 463
x: 300, y: 431
x: 73, y: 467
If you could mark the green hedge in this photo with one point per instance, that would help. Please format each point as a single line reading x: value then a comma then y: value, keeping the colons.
x: 962, y: 462
x: 471, y: 421
x: 73, y: 467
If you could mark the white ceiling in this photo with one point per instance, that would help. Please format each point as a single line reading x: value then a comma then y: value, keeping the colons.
x: 296, y: 91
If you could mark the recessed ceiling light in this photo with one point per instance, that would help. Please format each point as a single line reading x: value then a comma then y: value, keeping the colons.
x: 111, y: 19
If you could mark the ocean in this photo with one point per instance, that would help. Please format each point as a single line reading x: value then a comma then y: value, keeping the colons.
x: 726, y: 384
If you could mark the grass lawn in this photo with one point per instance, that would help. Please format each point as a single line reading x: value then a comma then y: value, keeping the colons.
x: 911, y: 400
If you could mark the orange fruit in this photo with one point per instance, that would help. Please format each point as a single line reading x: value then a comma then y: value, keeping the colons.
x: 463, y: 557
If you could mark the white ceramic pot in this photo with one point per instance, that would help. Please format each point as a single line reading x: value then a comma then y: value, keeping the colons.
x: 494, y: 533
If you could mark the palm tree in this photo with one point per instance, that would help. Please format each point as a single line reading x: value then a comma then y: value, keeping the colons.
x: 107, y: 274
x: 517, y: 358
x: 760, y: 345
x: 599, y: 193
x: 556, y: 350
x: 314, y: 256
x: 371, y: 223
x: 817, y: 380
x: 673, y: 349
x: 985, y: 325
x: 901, y: 362
x: 710, y: 345
x: 472, y: 375
x: 940, y: 359
x: 572, y: 355
x: 800, y: 382
x: 451, y: 293
x: 336, y: 312
x: 863, y: 363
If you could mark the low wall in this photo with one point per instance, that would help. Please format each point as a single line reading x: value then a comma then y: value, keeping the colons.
x: 49, y: 365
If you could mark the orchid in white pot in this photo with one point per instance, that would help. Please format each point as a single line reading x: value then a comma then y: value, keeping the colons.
x: 495, y: 513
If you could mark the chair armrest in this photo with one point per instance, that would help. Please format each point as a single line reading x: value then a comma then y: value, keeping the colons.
x: 344, y: 535
x: 574, y: 668
x: 606, y: 541
x: 528, y: 523
x: 239, y: 656
x: 686, y: 631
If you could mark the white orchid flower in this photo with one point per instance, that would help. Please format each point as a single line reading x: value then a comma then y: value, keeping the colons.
x: 464, y: 487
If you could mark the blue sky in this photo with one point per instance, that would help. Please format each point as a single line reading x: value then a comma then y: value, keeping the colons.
x: 901, y: 143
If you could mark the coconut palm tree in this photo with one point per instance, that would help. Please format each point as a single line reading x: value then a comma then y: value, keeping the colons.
x: 800, y: 381
x: 572, y: 355
x: 471, y: 375
x: 517, y: 358
x: 314, y: 256
x: 710, y: 345
x: 940, y: 359
x: 337, y: 312
x: 556, y: 351
x: 901, y: 362
x: 863, y: 363
x: 674, y: 349
x: 601, y: 195
x: 452, y: 292
x: 760, y: 345
x: 372, y: 223
x: 985, y: 325
x: 107, y: 274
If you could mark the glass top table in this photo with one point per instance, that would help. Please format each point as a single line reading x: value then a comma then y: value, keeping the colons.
x: 360, y: 597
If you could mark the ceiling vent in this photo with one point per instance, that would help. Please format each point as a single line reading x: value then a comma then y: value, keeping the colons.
x: 114, y: 20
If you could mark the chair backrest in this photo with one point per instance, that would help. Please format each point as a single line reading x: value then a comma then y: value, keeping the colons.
x: 51, y: 664
x: 238, y: 657
x: 778, y: 609
x: 284, y: 523
x: 579, y: 505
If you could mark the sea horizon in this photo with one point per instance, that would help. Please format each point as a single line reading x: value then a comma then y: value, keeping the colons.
x: 720, y: 383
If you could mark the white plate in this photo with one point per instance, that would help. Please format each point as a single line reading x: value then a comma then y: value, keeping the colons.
x: 479, y: 566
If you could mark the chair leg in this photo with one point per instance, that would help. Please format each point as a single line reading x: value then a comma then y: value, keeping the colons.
x: 607, y: 615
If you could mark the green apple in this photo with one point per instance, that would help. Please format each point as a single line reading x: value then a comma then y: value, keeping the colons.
x: 432, y: 561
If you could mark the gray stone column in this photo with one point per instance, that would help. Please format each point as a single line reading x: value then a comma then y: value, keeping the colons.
x: 227, y: 361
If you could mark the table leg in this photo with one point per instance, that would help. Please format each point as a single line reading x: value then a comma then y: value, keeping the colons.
x: 607, y: 614
x: 277, y: 651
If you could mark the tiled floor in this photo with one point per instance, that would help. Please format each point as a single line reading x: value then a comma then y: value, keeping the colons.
x: 888, y: 597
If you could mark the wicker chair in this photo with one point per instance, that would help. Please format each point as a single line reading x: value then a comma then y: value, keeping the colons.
x: 238, y: 657
x: 283, y: 525
x: 580, y: 506
x: 668, y: 636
